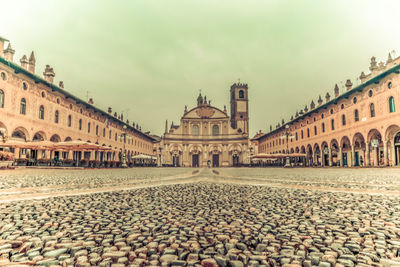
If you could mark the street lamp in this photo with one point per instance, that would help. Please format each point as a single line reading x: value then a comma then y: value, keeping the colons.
x: 251, y: 154
x: 124, y: 134
x: 160, y: 149
x: 287, y: 135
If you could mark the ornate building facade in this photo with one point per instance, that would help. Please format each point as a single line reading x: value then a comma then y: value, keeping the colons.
x: 207, y: 136
x: 360, y: 127
x: 33, y: 108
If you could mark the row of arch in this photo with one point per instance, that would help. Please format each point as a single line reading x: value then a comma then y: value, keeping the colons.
x: 373, y: 149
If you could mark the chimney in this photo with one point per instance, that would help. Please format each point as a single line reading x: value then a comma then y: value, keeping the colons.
x: 319, y: 100
x: 166, y: 126
x: 9, y: 53
x: 61, y: 84
x: 336, y: 90
x: 109, y: 110
x: 91, y: 102
x: 327, y: 97
x: 390, y: 59
x: 24, y: 62
x: 363, y: 77
x: 306, y: 109
x: 348, y: 84
x: 373, y: 66
x: 32, y: 62
x: 115, y: 114
x: 2, y: 41
x: 49, y: 74
x: 312, y: 105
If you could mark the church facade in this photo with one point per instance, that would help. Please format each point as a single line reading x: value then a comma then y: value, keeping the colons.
x: 208, y: 136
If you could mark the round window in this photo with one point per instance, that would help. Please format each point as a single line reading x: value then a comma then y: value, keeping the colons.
x: 354, y: 100
x: 370, y: 93
x: 3, y: 76
x: 389, y: 85
x: 24, y: 86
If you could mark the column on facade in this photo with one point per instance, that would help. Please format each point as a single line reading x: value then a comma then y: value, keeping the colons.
x: 353, y: 156
x: 330, y: 156
x: 340, y: 156
x: 375, y: 153
x: 385, y: 153
x: 367, y: 155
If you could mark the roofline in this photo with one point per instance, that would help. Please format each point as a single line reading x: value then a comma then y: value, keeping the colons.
x: 376, y: 79
x: 3, y: 39
x: 37, y: 79
x: 205, y: 105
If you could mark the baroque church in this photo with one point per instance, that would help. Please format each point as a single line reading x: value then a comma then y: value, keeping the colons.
x: 207, y: 136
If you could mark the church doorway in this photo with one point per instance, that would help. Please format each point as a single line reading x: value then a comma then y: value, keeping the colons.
x: 175, y: 160
x: 215, y: 160
x: 195, y: 160
x: 235, y: 160
x: 397, y: 148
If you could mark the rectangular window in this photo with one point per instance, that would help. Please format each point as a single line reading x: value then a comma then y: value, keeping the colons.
x: 333, y: 124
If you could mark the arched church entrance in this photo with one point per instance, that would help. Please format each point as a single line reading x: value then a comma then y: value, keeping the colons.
x: 235, y: 160
x: 195, y: 160
x: 215, y: 160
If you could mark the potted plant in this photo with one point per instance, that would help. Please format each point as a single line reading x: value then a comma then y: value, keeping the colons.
x: 43, y: 162
x: 84, y: 162
x: 6, y: 159
x: 67, y: 162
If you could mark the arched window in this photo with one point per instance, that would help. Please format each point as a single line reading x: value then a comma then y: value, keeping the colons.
x: 116, y: 137
x: 308, y: 132
x: 109, y: 134
x: 333, y: 124
x: 80, y: 124
x: 241, y: 94
x: 215, y: 130
x: 315, y: 130
x: 195, y: 130
x: 323, y: 127
x: 343, y: 119
x: 356, y: 116
x: 22, y: 107
x: 301, y: 134
x: 391, y: 104
x: 56, y: 115
x: 41, y: 112
x: 88, y: 127
x: 97, y: 130
x: 296, y: 136
x: 372, y: 110
x: 69, y: 123
x: 104, y: 132
x: 1, y: 99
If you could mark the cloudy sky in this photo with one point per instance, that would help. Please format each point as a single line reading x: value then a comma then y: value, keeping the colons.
x: 150, y: 58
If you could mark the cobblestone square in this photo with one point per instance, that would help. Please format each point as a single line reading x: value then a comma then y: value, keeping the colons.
x: 200, y: 217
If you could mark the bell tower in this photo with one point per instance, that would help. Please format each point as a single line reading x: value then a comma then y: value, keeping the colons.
x: 240, y: 107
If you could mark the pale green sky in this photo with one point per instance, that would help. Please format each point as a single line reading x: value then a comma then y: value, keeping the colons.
x: 153, y: 56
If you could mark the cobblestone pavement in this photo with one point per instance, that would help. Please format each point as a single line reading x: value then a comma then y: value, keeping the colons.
x: 187, y: 217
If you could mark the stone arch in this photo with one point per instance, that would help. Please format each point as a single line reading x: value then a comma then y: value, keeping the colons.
x: 292, y: 150
x: 297, y: 149
x: 3, y: 130
x: 39, y: 136
x: 374, y: 134
x: 345, y: 143
x: 20, y: 133
x: 303, y: 149
x: 358, y: 140
x: 68, y: 139
x: 391, y: 131
x: 334, y: 145
x: 55, y: 138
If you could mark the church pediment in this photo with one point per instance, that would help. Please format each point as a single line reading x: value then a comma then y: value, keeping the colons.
x: 205, y: 112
